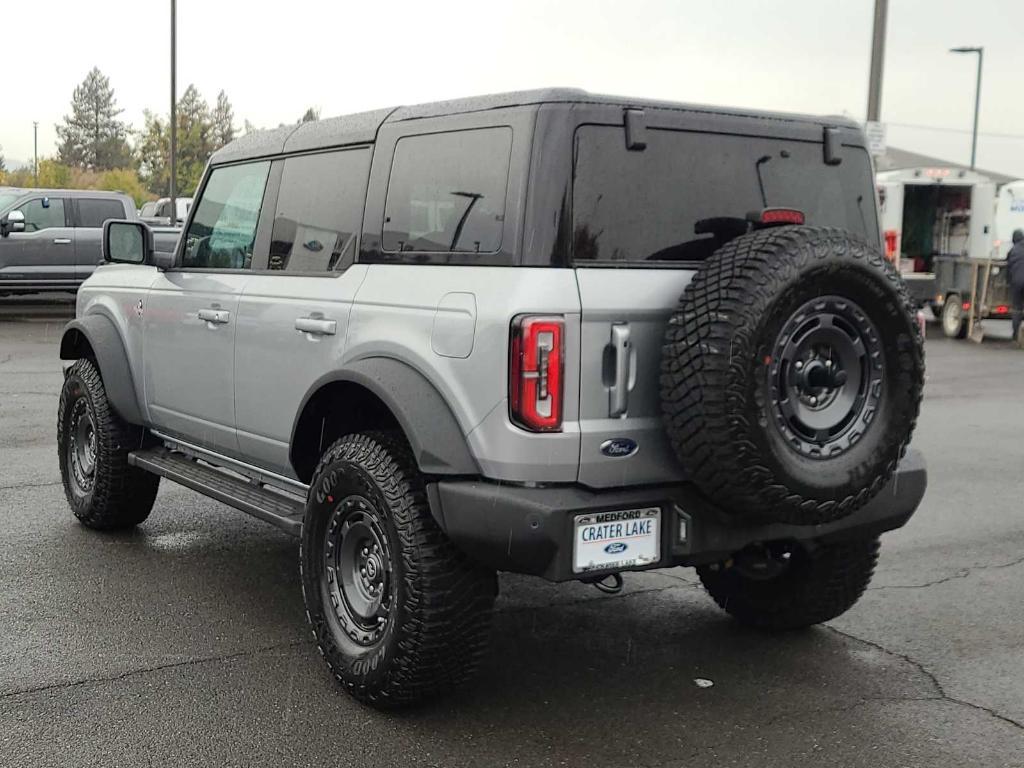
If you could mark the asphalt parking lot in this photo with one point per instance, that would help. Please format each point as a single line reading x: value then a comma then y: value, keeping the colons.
x: 185, y: 643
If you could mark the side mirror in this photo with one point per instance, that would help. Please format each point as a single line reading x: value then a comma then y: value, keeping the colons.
x: 127, y: 242
x: 13, y: 222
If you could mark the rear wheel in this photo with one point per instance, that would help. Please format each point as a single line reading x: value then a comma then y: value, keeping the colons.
x: 398, y: 612
x: 954, y: 323
x: 93, y: 442
x: 784, y: 586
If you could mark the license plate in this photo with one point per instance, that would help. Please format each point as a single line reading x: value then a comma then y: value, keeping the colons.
x: 624, y: 538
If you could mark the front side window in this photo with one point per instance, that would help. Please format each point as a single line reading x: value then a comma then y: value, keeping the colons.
x: 93, y: 212
x: 223, y: 230
x: 319, y: 210
x: 43, y: 213
x: 447, y: 192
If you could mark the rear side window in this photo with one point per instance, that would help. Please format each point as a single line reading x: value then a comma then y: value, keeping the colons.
x: 93, y: 212
x: 223, y: 229
x: 319, y: 210
x: 447, y: 192
x: 687, y: 193
x: 43, y: 213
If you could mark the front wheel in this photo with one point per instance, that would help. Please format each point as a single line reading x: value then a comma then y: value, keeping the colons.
x: 785, y: 586
x: 102, y: 489
x: 399, y: 614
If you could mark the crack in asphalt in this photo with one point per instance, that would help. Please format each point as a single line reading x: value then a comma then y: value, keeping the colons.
x: 940, y: 691
x: 156, y: 668
x: 963, y: 573
x: 19, y: 486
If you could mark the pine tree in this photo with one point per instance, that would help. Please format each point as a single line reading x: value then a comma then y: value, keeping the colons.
x: 309, y: 115
x: 223, y: 122
x: 92, y: 137
x: 195, y: 139
x: 3, y: 165
x: 153, y: 146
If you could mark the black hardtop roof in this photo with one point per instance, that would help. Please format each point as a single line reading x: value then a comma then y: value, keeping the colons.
x: 362, y: 127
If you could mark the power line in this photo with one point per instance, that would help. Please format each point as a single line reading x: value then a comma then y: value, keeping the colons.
x: 955, y: 130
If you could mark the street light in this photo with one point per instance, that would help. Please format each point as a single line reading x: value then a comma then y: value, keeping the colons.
x: 977, y: 95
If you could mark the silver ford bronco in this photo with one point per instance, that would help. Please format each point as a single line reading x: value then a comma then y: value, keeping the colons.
x: 551, y: 333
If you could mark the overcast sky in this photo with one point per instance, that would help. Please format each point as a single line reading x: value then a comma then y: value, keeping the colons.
x: 275, y: 59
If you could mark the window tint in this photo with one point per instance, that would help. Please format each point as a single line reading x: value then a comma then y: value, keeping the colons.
x: 223, y: 229
x: 39, y: 216
x: 447, y: 192
x: 687, y: 193
x: 93, y: 212
x: 319, y: 210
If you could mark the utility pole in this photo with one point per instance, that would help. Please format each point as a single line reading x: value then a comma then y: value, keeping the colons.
x: 35, y: 151
x: 977, y: 96
x: 174, y: 111
x: 877, y: 59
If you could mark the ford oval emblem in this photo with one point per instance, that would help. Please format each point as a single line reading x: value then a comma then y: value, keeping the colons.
x: 619, y: 447
x: 615, y: 548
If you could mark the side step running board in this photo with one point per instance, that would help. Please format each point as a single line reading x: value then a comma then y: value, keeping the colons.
x: 280, y: 509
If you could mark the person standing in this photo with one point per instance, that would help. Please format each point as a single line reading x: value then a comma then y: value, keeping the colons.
x: 1015, y: 267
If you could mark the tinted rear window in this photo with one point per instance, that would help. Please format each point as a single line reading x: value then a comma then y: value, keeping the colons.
x: 319, y: 210
x: 93, y: 212
x: 447, y: 192
x: 674, y: 200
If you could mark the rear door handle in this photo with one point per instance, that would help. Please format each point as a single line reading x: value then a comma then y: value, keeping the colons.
x: 622, y: 349
x: 316, y: 325
x: 62, y: 241
x: 216, y: 316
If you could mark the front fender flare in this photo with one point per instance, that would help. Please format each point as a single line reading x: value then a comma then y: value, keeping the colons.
x: 438, y: 444
x: 103, y: 338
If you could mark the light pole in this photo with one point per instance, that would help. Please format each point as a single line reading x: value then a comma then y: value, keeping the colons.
x: 977, y: 96
x: 35, y: 152
x: 877, y: 59
x: 174, y: 111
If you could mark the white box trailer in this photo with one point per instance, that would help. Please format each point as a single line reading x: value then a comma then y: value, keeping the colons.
x: 1009, y: 216
x: 927, y: 213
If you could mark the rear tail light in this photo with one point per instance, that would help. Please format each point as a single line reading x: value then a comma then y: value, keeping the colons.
x: 1002, y: 309
x: 535, y: 385
x: 890, y: 244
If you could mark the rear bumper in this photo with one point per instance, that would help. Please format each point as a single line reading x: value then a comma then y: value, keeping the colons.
x: 530, y: 530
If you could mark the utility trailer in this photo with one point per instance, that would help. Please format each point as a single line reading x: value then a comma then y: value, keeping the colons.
x: 933, y: 213
x: 969, y: 291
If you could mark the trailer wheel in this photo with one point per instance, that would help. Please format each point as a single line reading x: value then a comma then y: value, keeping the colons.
x: 954, y: 324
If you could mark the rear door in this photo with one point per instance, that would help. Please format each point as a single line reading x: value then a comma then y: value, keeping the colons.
x: 644, y: 219
x: 45, y: 251
x: 294, y: 312
x: 90, y: 213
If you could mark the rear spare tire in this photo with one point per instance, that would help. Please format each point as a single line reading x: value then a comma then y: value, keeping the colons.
x: 792, y: 375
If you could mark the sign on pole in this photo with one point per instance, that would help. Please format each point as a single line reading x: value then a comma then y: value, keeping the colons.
x: 875, y: 132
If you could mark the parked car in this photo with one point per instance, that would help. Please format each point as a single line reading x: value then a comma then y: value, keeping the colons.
x: 550, y: 332
x: 160, y: 211
x: 50, y: 239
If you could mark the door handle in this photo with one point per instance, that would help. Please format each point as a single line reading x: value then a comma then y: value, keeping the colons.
x: 62, y: 241
x: 318, y: 326
x: 216, y: 316
x: 622, y: 354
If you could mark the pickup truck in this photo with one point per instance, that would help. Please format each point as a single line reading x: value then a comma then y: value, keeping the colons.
x: 50, y: 238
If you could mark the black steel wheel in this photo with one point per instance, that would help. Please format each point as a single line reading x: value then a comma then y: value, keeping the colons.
x: 825, y: 376
x: 358, y: 577
x: 93, y: 444
x: 792, y: 375
x: 399, y: 614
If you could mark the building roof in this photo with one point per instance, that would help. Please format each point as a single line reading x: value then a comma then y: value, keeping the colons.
x: 901, y: 159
